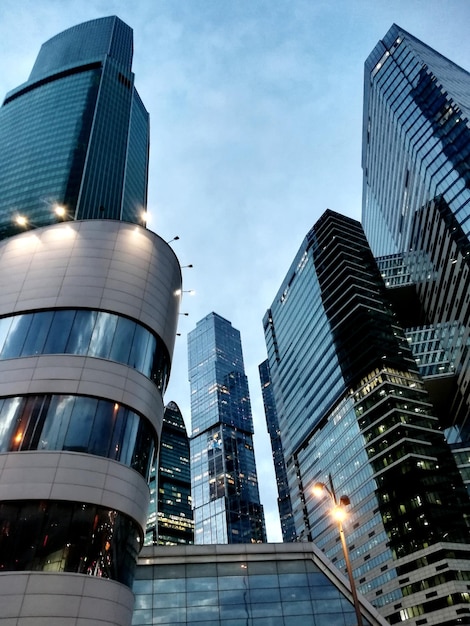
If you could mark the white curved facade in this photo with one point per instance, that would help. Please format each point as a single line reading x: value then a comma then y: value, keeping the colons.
x: 74, y: 392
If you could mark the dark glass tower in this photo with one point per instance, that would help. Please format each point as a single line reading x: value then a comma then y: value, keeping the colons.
x: 88, y: 315
x: 225, y: 492
x: 416, y: 210
x: 76, y: 134
x: 170, y: 520
x: 272, y: 421
x: 351, y: 403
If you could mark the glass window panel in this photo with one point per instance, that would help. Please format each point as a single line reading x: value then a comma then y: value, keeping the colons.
x: 170, y: 617
x: 142, y: 617
x: 5, y: 324
x: 123, y: 336
x: 139, y: 349
x: 233, y: 582
x: 266, y: 610
x: 267, y: 580
x: 128, y: 441
x: 170, y: 600
x: 59, y: 332
x: 297, y: 608
x: 171, y: 585
x: 119, y: 419
x: 147, y: 361
x: 103, y: 334
x: 196, y: 598
x: 204, y: 614
x: 143, y: 601
x: 202, y: 584
x: 265, y: 595
x: 56, y: 423
x: 81, y: 424
x: 293, y: 580
x: 81, y: 332
x: 327, y: 606
x: 37, y: 334
x: 16, y: 336
x: 231, y: 596
x: 102, y: 428
x: 295, y: 593
x: 11, y: 407
x: 142, y: 586
x: 307, y: 620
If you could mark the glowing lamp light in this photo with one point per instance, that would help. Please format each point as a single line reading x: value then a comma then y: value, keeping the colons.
x: 339, y: 513
x: 318, y: 489
x: 21, y: 220
x: 59, y: 210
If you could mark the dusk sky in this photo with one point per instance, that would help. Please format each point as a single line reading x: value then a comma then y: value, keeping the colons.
x: 256, y: 119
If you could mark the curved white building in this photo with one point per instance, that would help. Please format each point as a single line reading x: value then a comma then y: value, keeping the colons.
x: 88, y: 315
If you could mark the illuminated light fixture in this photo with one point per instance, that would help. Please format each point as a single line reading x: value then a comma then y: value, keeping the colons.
x: 191, y: 292
x: 60, y: 211
x: 339, y: 513
x: 21, y: 220
x: 145, y: 216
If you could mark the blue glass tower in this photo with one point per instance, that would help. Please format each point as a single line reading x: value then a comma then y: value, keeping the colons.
x: 351, y: 404
x: 76, y: 134
x: 272, y: 422
x: 170, y: 520
x: 88, y: 316
x: 225, y: 492
x: 416, y: 210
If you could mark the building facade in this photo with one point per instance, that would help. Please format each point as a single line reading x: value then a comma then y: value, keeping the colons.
x: 416, y: 213
x: 75, y: 136
x: 88, y: 315
x: 272, y: 421
x: 251, y: 585
x: 352, y: 404
x: 224, y: 483
x: 170, y: 519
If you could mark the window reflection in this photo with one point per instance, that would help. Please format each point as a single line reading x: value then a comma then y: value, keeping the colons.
x: 78, y: 424
x: 87, y: 333
x: 68, y: 537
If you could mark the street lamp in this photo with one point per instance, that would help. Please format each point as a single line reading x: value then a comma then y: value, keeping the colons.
x: 340, y: 514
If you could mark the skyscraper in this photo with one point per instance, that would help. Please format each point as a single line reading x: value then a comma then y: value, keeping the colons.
x: 170, y: 520
x: 224, y: 483
x: 88, y: 314
x: 351, y: 404
x: 76, y: 134
x: 272, y: 422
x: 416, y: 210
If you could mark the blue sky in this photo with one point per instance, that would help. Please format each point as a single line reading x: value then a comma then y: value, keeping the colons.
x: 256, y: 114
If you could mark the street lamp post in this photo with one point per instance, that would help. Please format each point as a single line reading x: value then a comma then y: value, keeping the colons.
x: 339, y: 513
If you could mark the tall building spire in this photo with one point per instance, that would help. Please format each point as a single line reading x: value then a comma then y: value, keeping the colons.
x: 225, y: 492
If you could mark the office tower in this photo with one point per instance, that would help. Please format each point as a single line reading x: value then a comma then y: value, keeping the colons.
x: 170, y: 520
x: 416, y: 212
x: 75, y: 136
x: 224, y: 483
x: 272, y: 421
x: 351, y: 404
x: 88, y: 314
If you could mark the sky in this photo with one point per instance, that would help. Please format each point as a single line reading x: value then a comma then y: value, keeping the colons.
x: 256, y: 120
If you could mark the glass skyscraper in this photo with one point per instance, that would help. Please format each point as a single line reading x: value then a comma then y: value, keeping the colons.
x: 272, y: 422
x: 416, y: 212
x: 352, y: 404
x: 225, y: 492
x: 76, y: 134
x: 170, y: 520
x: 88, y: 316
